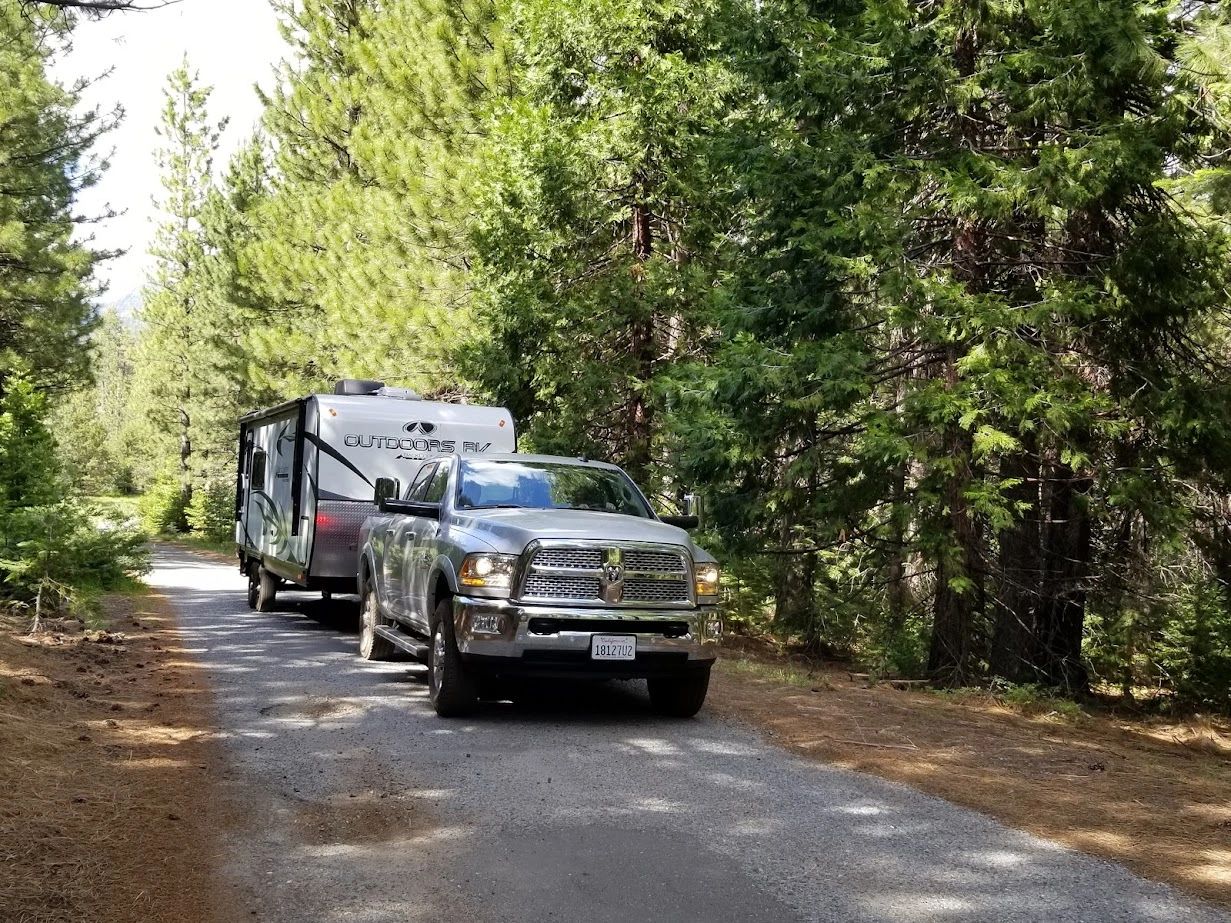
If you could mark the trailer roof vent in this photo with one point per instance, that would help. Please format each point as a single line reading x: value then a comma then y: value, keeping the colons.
x: 402, y: 394
x: 357, y: 386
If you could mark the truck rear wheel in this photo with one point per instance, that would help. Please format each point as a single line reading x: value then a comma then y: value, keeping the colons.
x: 452, y: 692
x: 267, y: 590
x: 679, y: 696
x: 371, y: 645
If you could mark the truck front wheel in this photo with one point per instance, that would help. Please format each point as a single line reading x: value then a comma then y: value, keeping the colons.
x: 267, y: 590
x: 371, y: 645
x: 679, y: 696
x: 452, y: 692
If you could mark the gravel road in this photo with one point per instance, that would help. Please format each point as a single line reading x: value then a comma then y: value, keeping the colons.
x: 358, y: 804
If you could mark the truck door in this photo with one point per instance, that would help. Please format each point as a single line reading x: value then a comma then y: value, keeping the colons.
x: 423, y: 553
x: 399, y: 541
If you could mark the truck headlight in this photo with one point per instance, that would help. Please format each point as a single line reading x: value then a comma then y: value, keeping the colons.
x: 494, y: 571
x: 706, y: 576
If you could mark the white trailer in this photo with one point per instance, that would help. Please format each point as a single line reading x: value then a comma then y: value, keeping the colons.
x: 308, y: 470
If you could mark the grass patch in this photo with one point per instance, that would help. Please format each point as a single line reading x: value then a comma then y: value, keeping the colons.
x: 1028, y: 699
x: 777, y: 673
x: 122, y: 509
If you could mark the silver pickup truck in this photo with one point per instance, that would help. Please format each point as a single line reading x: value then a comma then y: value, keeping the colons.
x: 513, y: 565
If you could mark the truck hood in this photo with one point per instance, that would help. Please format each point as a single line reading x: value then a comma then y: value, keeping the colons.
x: 511, y: 530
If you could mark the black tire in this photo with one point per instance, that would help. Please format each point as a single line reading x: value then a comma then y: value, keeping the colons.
x: 371, y: 645
x: 327, y: 596
x: 453, y: 693
x: 254, y: 587
x: 679, y: 696
x: 267, y: 590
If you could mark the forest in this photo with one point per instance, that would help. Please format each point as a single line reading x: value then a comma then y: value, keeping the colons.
x: 928, y: 299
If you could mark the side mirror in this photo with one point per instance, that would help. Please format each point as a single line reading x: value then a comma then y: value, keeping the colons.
x: 683, y: 522
x: 692, y: 514
x: 386, y: 489
x: 694, y: 507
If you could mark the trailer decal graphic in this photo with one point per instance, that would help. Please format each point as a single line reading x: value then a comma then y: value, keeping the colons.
x: 335, y: 454
x: 277, y: 520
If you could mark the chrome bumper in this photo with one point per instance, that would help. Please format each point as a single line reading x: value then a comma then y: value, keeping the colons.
x: 487, y: 628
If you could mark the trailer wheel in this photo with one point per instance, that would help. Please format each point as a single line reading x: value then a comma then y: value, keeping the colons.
x: 452, y: 692
x: 267, y: 590
x: 371, y: 645
x: 254, y: 588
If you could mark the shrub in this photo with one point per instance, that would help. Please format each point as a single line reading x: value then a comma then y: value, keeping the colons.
x: 162, y: 507
x: 211, y: 514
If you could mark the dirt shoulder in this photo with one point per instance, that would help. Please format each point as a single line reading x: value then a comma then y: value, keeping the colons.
x: 1154, y: 797
x: 109, y: 771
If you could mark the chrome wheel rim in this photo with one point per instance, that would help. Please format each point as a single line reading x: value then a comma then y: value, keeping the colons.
x: 438, y: 658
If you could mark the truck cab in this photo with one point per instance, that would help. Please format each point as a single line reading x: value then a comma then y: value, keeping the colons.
x: 512, y: 565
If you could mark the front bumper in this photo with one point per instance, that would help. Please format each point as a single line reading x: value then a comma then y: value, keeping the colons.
x: 508, y: 637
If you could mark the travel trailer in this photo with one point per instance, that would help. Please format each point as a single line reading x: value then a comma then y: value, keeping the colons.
x: 308, y: 470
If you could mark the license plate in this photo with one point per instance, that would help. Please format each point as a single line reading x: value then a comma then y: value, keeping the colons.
x: 613, y: 647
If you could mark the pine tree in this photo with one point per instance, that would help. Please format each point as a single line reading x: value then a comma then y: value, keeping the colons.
x: 593, y: 228
x: 176, y: 350
x: 45, y: 161
x: 359, y: 256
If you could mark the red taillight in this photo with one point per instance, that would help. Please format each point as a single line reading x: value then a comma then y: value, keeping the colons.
x: 324, y: 521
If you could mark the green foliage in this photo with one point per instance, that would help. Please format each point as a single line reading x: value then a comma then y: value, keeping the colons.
x: 162, y: 507
x: 211, y: 514
x: 927, y: 299
x: 97, y: 438
x: 53, y: 548
x: 55, y: 556
x: 45, y: 160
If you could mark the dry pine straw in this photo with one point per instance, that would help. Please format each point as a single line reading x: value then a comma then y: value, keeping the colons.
x: 1156, y: 799
x: 106, y: 769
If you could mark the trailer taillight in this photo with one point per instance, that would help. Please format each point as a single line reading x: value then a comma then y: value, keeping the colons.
x: 324, y: 521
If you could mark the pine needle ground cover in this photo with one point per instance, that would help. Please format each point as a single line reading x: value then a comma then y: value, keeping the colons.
x: 108, y: 771
x: 1155, y: 796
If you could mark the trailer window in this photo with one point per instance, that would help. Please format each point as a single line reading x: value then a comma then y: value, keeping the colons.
x: 258, y: 470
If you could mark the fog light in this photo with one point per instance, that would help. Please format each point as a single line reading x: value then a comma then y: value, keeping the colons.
x: 486, y: 624
x: 713, y: 627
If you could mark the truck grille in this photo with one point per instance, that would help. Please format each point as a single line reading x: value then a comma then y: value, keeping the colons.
x: 646, y: 576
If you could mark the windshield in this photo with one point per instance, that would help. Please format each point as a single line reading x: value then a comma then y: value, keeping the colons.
x: 547, y: 486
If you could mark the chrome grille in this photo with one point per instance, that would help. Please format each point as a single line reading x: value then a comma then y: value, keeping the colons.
x: 588, y: 558
x: 665, y: 562
x: 642, y: 589
x: 647, y: 575
x: 555, y: 586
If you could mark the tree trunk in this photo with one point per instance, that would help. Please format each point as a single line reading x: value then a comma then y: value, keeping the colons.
x: 185, y: 467
x: 953, y: 611
x: 1066, y: 558
x: 1014, y: 649
x: 794, y: 579
x: 641, y: 345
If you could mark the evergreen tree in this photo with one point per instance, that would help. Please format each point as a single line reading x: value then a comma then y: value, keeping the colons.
x: 45, y: 161
x: 359, y: 255
x: 594, y: 228
x: 177, y: 351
